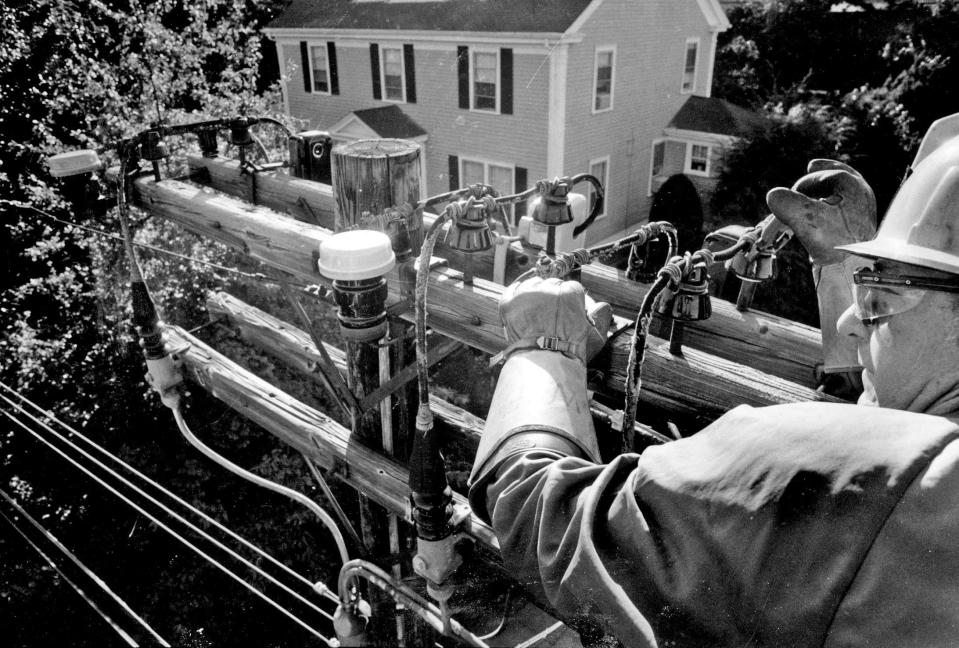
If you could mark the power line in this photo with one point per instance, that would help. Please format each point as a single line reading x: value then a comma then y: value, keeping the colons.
x: 165, y: 527
x: 71, y: 432
x: 116, y: 628
x: 92, y: 576
x: 165, y: 508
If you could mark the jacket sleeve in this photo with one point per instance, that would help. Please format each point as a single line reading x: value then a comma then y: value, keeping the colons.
x: 750, y: 532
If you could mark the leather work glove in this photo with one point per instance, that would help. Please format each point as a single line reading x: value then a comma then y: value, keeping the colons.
x: 554, y: 315
x: 831, y: 205
x: 540, y: 403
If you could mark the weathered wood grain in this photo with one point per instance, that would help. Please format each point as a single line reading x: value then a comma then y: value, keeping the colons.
x: 313, y: 202
x: 469, y: 313
x: 293, y: 347
x: 775, y: 345
x: 307, y: 430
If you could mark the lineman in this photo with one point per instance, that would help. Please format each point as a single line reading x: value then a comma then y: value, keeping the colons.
x: 795, y: 525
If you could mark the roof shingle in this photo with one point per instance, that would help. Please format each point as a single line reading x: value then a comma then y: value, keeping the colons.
x: 390, y: 122
x: 712, y: 115
x: 551, y: 16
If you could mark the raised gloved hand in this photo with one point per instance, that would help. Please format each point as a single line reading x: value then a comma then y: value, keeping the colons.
x: 554, y: 315
x: 831, y: 205
x: 540, y: 404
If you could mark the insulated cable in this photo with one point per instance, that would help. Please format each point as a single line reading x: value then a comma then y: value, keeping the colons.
x: 400, y: 592
x: 166, y: 528
x: 294, y: 495
x: 148, y: 481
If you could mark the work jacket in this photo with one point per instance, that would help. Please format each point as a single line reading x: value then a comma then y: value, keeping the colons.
x: 808, y: 524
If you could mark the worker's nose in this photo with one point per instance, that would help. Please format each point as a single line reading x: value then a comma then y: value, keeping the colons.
x: 850, y: 324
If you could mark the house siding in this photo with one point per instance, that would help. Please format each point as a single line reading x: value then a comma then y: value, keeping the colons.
x: 518, y: 139
x: 646, y: 95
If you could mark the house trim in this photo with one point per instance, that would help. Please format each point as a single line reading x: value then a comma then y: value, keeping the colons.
x: 698, y: 136
x: 556, y: 123
x: 715, y: 16
x: 711, y: 64
x: 583, y: 17
x: 534, y: 42
x: 336, y: 131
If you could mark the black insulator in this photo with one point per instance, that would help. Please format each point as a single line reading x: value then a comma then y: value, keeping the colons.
x: 553, y: 206
x: 152, y: 146
x: 208, y: 142
x: 691, y: 302
x: 431, y: 496
x: 240, y: 132
x: 471, y: 232
x: 362, y: 312
x: 146, y: 320
x: 399, y: 232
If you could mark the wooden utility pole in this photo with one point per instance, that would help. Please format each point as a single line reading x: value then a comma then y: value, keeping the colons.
x: 376, y: 184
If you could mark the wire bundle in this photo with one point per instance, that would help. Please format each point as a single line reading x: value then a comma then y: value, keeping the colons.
x: 288, y: 592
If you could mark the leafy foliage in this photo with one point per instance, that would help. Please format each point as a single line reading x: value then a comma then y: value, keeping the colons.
x: 85, y: 74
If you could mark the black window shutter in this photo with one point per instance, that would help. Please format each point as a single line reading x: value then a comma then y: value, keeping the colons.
x: 307, y: 71
x: 375, y: 70
x: 519, y: 185
x: 454, y: 173
x: 334, y: 74
x: 463, y: 63
x: 506, y: 81
x: 409, y: 66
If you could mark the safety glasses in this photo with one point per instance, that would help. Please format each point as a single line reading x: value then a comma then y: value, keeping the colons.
x: 879, y: 295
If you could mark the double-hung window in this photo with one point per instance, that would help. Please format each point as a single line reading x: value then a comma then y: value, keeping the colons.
x: 657, y: 163
x: 320, y: 67
x: 697, y: 159
x: 393, y: 75
x: 599, y: 169
x: 485, y: 72
x: 689, y: 65
x: 603, y: 79
x: 497, y: 175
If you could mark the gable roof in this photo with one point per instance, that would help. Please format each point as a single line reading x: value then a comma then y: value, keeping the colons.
x: 390, y: 122
x: 712, y: 115
x: 548, y: 16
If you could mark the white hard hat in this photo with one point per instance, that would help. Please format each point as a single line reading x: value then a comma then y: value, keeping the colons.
x: 921, y: 226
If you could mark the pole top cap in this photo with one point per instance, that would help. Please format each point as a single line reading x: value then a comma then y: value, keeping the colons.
x: 356, y: 255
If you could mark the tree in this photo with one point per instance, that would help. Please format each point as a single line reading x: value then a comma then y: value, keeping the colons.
x: 84, y: 74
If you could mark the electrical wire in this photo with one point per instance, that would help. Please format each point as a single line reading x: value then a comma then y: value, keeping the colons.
x: 158, y: 487
x: 86, y: 571
x: 166, y: 528
x: 426, y: 610
x: 179, y: 518
x: 294, y: 495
